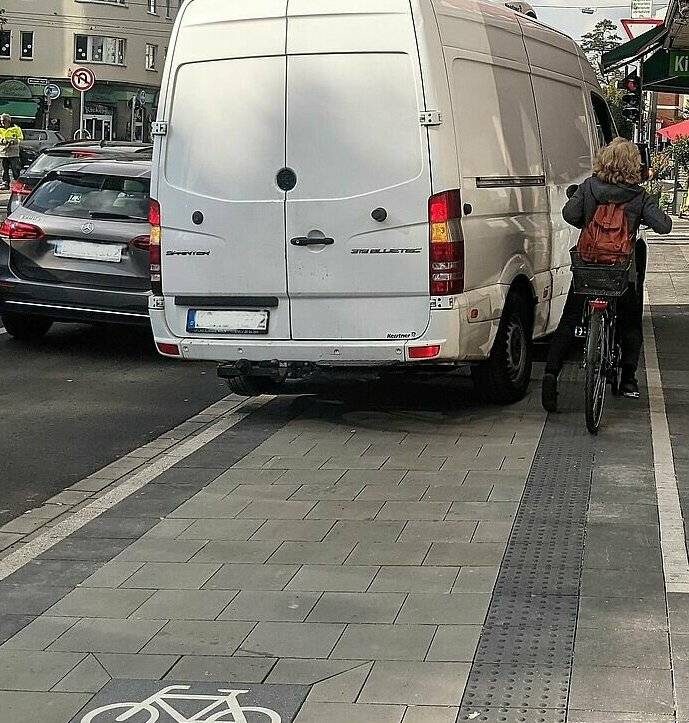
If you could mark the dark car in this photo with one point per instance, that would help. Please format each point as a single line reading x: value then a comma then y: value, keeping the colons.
x: 68, y: 153
x: 35, y: 142
x: 77, y: 250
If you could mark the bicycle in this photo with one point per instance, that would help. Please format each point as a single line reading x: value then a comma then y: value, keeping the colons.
x: 602, y: 284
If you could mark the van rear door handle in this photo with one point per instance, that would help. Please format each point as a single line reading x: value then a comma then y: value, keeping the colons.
x: 306, y: 241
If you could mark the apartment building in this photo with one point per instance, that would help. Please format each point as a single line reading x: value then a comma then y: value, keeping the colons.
x: 123, y: 42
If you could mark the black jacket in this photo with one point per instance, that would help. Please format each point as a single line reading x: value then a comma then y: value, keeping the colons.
x: 640, y: 207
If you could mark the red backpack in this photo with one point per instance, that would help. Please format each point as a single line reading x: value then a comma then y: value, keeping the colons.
x: 606, y: 239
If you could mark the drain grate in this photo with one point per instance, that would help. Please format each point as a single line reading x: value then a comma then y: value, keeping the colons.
x: 523, y: 662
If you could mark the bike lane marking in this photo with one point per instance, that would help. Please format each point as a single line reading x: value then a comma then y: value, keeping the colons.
x: 672, y: 535
x: 145, y: 474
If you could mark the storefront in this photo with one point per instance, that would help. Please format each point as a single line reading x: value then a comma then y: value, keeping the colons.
x: 16, y: 99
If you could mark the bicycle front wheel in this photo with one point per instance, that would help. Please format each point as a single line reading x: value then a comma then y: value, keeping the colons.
x: 594, y: 388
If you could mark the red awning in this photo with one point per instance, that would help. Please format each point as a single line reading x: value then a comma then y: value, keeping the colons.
x: 677, y: 130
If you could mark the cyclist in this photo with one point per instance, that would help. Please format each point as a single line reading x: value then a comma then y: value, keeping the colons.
x: 617, y: 173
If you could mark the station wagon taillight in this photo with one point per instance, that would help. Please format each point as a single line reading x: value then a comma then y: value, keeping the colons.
x: 446, y: 244
x: 19, y: 188
x: 154, y: 247
x: 20, y: 231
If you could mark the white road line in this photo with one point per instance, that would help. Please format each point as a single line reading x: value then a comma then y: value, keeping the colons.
x: 170, y: 457
x: 672, y: 534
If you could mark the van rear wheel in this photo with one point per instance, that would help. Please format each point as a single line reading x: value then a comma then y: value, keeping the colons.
x: 504, y: 378
x: 253, y: 386
x: 25, y: 327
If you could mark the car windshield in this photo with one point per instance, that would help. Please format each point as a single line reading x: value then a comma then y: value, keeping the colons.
x: 90, y: 195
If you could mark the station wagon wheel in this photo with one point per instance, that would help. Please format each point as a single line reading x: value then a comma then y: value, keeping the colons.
x: 504, y: 378
x: 25, y: 327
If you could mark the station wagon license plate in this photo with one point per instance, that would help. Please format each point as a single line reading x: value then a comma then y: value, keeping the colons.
x: 227, y: 322
x: 88, y: 251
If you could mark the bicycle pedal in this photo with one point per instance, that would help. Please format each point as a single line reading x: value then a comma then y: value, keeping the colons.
x: 580, y: 332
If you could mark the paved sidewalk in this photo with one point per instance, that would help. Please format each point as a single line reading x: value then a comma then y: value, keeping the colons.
x: 380, y: 553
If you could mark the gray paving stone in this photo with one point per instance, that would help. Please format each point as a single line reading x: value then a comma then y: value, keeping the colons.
x: 294, y: 462
x: 276, y: 510
x: 465, y: 553
x: 171, y: 575
x: 236, y: 551
x: 136, y: 667
x: 299, y: 671
x: 333, y: 578
x: 99, y: 603
x: 626, y: 613
x: 195, y: 637
x: 621, y: 689
x: 102, y: 635
x: 221, y: 668
x: 453, y: 478
x: 29, y: 599
x: 678, y: 607
x: 368, y: 462
x: 350, y: 531
x: 207, y: 506
x: 185, y: 605
x: 592, y: 716
x: 454, y: 643
x: 431, y: 714
x: 372, y: 477
x: 238, y: 576
x: 624, y: 512
x: 38, y: 634
x: 442, y: 609
x: 294, y: 640
x: 438, y: 531
x: 21, y: 707
x: 412, y: 683
x: 492, y: 531
x: 8, y: 539
x: 294, y: 530
x: 112, y: 574
x: 414, y: 579
x: 622, y: 647
x: 58, y: 573
x: 389, y: 553
x: 275, y: 606
x: 354, y: 607
x: 88, y: 676
x: 169, y: 529
x: 34, y: 670
x: 498, y: 511
x: 265, y: 492
x: 622, y: 583
x: 414, y: 511
x: 308, y: 553
x: 345, y: 510
x: 311, y: 477
x: 122, y: 528
x: 384, y: 642
x: 233, y: 477
x: 397, y: 492
x: 217, y: 529
x: 341, y: 688
x: 315, y: 712
x: 507, y: 493
x: 458, y: 493
x: 476, y: 579
x: 327, y: 492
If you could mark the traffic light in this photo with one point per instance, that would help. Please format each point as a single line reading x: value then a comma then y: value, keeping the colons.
x: 631, y: 100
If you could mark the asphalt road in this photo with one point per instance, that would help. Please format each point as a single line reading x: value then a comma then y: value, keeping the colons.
x: 82, y: 398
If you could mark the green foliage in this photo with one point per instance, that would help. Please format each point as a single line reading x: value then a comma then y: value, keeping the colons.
x: 602, y: 38
x: 680, y: 152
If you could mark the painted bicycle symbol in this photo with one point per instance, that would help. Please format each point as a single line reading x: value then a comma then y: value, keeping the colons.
x: 215, y: 710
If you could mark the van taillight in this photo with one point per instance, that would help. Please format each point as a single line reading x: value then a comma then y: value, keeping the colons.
x: 154, y: 247
x: 20, y: 231
x: 446, y: 244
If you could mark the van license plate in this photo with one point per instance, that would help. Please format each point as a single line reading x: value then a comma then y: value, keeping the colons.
x: 88, y: 251
x: 227, y: 322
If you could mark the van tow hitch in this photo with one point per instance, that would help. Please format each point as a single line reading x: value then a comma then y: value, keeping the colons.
x: 274, y: 370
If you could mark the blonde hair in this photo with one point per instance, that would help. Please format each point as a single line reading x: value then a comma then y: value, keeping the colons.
x: 619, y: 162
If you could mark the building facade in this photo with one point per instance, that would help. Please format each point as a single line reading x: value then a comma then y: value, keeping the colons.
x: 124, y: 42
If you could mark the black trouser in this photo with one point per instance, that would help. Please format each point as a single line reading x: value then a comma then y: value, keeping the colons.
x: 629, y: 330
x: 13, y: 165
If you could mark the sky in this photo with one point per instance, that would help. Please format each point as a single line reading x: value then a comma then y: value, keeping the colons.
x: 573, y: 22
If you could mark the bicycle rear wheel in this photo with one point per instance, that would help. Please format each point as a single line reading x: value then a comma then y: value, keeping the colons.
x: 595, y: 384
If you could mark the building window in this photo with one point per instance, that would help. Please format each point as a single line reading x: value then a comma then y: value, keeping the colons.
x: 151, y: 57
x: 152, y: 6
x: 27, y: 45
x: 5, y: 43
x: 100, y: 49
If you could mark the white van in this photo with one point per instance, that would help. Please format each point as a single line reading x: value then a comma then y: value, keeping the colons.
x: 366, y: 183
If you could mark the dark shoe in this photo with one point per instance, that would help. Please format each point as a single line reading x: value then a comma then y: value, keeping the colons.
x: 549, y: 392
x: 630, y: 388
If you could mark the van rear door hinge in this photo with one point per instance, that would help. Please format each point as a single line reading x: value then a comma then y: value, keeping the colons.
x: 159, y: 128
x: 431, y: 118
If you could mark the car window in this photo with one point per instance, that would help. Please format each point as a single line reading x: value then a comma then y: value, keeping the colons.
x: 605, y: 125
x: 88, y: 195
x: 50, y: 161
x: 34, y: 135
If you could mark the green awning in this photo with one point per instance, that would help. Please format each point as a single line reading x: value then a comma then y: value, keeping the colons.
x: 19, y: 109
x: 658, y: 73
x: 627, y: 52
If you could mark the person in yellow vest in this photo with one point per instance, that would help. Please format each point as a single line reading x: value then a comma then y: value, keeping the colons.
x: 10, y: 137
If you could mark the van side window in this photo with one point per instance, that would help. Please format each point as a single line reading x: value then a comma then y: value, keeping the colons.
x: 605, y: 126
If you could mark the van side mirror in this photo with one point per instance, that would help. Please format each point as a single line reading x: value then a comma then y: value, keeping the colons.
x: 571, y: 190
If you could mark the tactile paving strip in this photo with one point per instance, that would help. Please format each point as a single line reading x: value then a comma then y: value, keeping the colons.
x: 522, y: 667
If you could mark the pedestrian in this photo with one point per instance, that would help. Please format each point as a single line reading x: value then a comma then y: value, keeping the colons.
x: 10, y: 137
x: 617, y: 173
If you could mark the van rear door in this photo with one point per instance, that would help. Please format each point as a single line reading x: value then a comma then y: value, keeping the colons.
x: 223, y: 220
x: 359, y: 151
